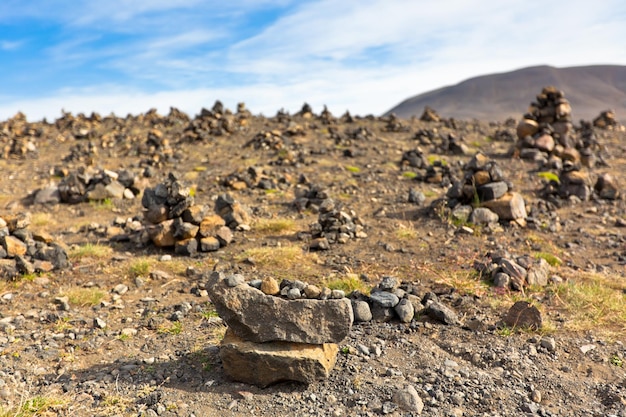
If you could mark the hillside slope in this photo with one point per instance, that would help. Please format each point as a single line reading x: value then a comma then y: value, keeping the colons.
x: 589, y: 89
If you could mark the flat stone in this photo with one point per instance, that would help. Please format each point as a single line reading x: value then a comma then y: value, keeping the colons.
x: 405, y: 311
x: 269, y: 286
x: 482, y: 215
x: 492, y: 191
x: 248, y: 312
x: 186, y: 247
x: 527, y: 127
x: 210, y: 225
x: 510, y: 206
x: 224, y: 235
x: 114, y: 189
x: 384, y: 299
x: 263, y: 364
x: 606, y: 186
x: 48, y: 195
x: 209, y: 244
x: 195, y: 214
x: 408, y: 399
x: 156, y: 214
x: 13, y: 246
x: 442, y: 313
x: 361, y: 311
x: 545, y: 143
x: 162, y: 234
x: 538, y: 272
x: 523, y: 314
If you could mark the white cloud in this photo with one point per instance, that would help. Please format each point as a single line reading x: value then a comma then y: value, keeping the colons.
x: 361, y: 55
x: 10, y: 45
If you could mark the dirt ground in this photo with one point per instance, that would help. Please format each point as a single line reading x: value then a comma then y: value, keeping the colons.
x: 57, y: 361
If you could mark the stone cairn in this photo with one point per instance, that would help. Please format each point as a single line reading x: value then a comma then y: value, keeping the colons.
x: 436, y: 173
x: 26, y: 252
x: 272, y: 339
x: 89, y: 184
x: 18, y: 137
x: 255, y: 177
x: 175, y: 221
x: 515, y: 273
x: 606, y: 120
x: 483, y: 196
x: 546, y: 134
x: 218, y: 121
x: 334, y: 225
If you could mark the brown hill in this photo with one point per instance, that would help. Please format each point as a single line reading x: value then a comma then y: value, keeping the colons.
x: 589, y: 89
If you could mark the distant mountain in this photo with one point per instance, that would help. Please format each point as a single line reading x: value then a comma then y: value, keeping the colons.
x: 495, y: 97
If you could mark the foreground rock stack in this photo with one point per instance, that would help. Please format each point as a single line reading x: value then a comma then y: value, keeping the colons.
x: 272, y: 339
x: 26, y: 252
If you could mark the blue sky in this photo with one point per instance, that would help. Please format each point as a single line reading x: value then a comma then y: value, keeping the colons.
x: 365, y: 56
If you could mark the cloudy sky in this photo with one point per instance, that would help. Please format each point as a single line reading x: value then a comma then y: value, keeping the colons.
x: 365, y: 56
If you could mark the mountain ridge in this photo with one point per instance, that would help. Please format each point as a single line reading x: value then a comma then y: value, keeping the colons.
x: 590, y: 90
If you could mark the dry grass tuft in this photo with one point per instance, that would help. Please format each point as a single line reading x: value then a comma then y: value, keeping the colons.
x: 275, y: 226
x: 350, y: 282
x: 84, y: 296
x: 592, y: 302
x: 283, y: 261
x: 90, y: 250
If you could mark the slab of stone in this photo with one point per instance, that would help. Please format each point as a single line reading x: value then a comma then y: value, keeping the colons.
x: 523, y: 314
x: 405, y: 311
x: 13, y: 246
x: 538, y: 273
x: 482, y: 215
x: 492, y: 191
x: 267, y: 363
x: 258, y: 317
x: 384, y: 299
x: 442, y: 313
x: 361, y: 310
x: 510, y: 206
x: 162, y: 234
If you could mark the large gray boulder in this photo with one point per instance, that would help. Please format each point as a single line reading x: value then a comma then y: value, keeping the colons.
x: 257, y: 317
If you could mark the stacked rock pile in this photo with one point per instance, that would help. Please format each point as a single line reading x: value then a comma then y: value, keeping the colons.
x: 436, y: 173
x: 175, y: 221
x: 483, y: 196
x: 430, y: 115
x: 156, y: 149
x: 89, y: 184
x: 516, y: 273
x: 18, y: 137
x: 326, y: 117
x: 547, y: 123
x: 394, y: 124
x: 215, y: 122
x: 26, y: 252
x: 334, y: 225
x: 310, y: 197
x: 605, y: 120
x: 272, y: 140
x: 395, y: 300
x: 255, y: 177
x: 272, y: 339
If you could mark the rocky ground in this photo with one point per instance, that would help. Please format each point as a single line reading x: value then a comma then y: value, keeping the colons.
x: 126, y: 328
